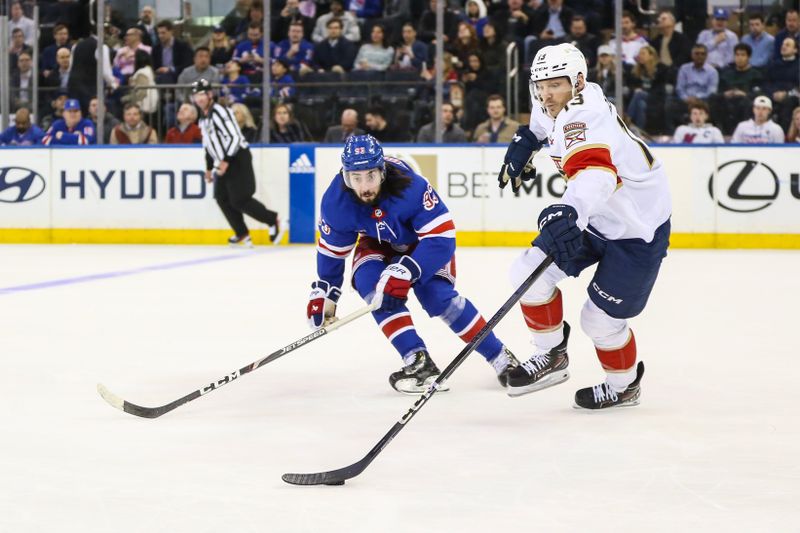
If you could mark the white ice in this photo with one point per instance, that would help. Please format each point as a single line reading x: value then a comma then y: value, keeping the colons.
x: 713, y: 447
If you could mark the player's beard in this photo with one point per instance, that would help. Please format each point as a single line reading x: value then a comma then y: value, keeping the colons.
x: 372, y: 200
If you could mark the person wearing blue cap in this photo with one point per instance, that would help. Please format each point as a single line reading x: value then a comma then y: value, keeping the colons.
x: 719, y: 40
x: 402, y: 237
x: 73, y: 129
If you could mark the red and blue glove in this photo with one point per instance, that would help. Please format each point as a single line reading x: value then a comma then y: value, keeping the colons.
x: 321, y: 308
x: 518, y: 162
x: 559, y: 234
x: 396, y: 280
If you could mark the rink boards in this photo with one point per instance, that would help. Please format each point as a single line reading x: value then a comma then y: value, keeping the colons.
x: 723, y: 197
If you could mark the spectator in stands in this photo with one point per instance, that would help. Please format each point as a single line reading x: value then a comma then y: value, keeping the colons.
x: 235, y: 85
x: 499, y: 128
x: 186, y: 131
x: 648, y: 81
x: 493, y: 49
x: 697, y: 79
x: 584, y: 41
x: 466, y: 43
x: 18, y: 20
x: 22, y: 81
x: 235, y: 17
x: 793, y: 135
x: 250, y: 53
x: 126, y: 56
x: 48, y: 61
x: 83, y: 80
x: 109, y: 120
x: 791, y: 29
x: 603, y: 73
x: 244, y: 118
x: 147, y: 25
x: 452, y: 132
x: 201, y: 69
x: 348, y: 126
x: 513, y: 21
x: 377, y: 54
x: 449, y: 73
x: 475, y: 11
x: 698, y: 131
x: 282, y: 82
x: 365, y: 9
x: 284, y: 128
x: 347, y: 21
x: 146, y: 99
x: 221, y: 47
x: 737, y: 85
x: 552, y: 20
x: 378, y: 127
x: 410, y: 54
x: 719, y: 40
x: 59, y: 77
x: 132, y: 129
x: 73, y: 129
x: 478, y: 82
x: 23, y: 132
x: 56, y: 110
x: 783, y: 81
x: 255, y: 16
x: 334, y: 53
x: 170, y: 55
x: 672, y: 47
x: 760, y: 129
x: 289, y: 15
x: 17, y: 47
x: 295, y: 50
x: 632, y: 41
x: 759, y: 41
x: 427, y: 24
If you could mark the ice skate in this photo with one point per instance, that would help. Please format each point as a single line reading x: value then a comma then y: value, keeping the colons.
x: 503, y: 364
x: 545, y: 369
x: 240, y: 242
x: 604, y: 396
x: 416, y: 377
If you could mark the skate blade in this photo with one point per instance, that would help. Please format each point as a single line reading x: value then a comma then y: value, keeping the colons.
x: 549, y: 380
x: 409, y: 386
x: 241, y: 246
x: 633, y: 402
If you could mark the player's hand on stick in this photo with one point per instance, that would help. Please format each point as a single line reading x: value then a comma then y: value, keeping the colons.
x: 391, y: 292
x: 518, y: 162
x: 559, y: 234
x: 321, y: 310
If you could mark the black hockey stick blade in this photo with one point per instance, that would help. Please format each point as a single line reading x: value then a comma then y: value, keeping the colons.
x: 155, y: 412
x: 339, y: 476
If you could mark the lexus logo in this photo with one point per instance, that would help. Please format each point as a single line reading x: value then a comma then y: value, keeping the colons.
x: 19, y: 184
x: 745, y: 186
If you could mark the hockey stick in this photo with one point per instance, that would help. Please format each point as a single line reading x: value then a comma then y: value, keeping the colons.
x: 155, y: 412
x: 338, y: 477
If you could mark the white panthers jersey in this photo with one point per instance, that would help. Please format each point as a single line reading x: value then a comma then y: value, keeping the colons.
x: 614, y: 182
x: 705, y: 134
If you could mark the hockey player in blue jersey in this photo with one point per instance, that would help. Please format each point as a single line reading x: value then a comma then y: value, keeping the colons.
x: 404, y: 238
x: 72, y: 129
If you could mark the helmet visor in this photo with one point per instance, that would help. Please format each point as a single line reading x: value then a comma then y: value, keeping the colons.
x: 360, y: 180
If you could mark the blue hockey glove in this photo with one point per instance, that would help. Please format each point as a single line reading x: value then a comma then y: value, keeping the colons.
x: 391, y: 292
x: 321, y: 308
x: 518, y: 163
x: 559, y: 234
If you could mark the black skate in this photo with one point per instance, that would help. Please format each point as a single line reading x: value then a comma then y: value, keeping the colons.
x: 416, y: 377
x: 604, y: 397
x: 240, y: 242
x: 544, y: 369
x: 503, y: 364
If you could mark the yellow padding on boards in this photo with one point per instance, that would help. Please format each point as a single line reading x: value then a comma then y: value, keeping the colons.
x: 464, y: 238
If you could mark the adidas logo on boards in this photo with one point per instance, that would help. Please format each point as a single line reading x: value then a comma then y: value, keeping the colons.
x: 302, y: 165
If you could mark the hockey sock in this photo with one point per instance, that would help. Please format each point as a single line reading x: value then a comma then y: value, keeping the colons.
x: 399, y: 329
x: 545, y: 321
x: 465, y: 321
x: 619, y: 363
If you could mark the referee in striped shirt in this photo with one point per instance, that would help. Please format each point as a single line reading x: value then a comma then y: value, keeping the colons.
x: 228, y: 153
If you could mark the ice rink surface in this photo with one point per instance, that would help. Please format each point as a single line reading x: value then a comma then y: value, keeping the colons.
x: 713, y: 447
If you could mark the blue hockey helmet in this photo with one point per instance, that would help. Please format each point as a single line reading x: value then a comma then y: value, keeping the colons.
x: 362, y: 152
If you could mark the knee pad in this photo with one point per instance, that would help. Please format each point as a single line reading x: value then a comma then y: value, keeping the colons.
x: 605, y: 331
x: 542, y: 290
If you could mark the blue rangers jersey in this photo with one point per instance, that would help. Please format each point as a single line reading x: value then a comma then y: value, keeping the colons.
x: 82, y: 133
x: 416, y: 220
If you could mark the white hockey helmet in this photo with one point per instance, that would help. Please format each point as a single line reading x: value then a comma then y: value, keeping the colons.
x: 561, y: 60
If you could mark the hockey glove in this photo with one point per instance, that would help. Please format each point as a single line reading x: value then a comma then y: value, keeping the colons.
x: 321, y: 309
x: 391, y: 292
x: 518, y: 163
x: 559, y: 234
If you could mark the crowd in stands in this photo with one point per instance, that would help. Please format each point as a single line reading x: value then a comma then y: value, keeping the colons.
x: 694, y: 73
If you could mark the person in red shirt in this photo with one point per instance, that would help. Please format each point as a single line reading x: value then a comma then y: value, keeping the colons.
x: 187, y: 130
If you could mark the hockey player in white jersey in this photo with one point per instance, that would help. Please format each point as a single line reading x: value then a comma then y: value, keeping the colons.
x: 615, y: 214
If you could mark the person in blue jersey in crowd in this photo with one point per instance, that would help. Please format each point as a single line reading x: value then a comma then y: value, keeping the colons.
x: 23, y: 132
x: 404, y: 238
x: 73, y: 129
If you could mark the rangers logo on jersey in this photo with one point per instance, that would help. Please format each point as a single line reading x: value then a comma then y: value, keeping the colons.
x: 429, y: 199
x: 378, y: 214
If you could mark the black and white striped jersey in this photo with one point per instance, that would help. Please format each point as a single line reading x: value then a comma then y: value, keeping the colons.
x: 222, y: 137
